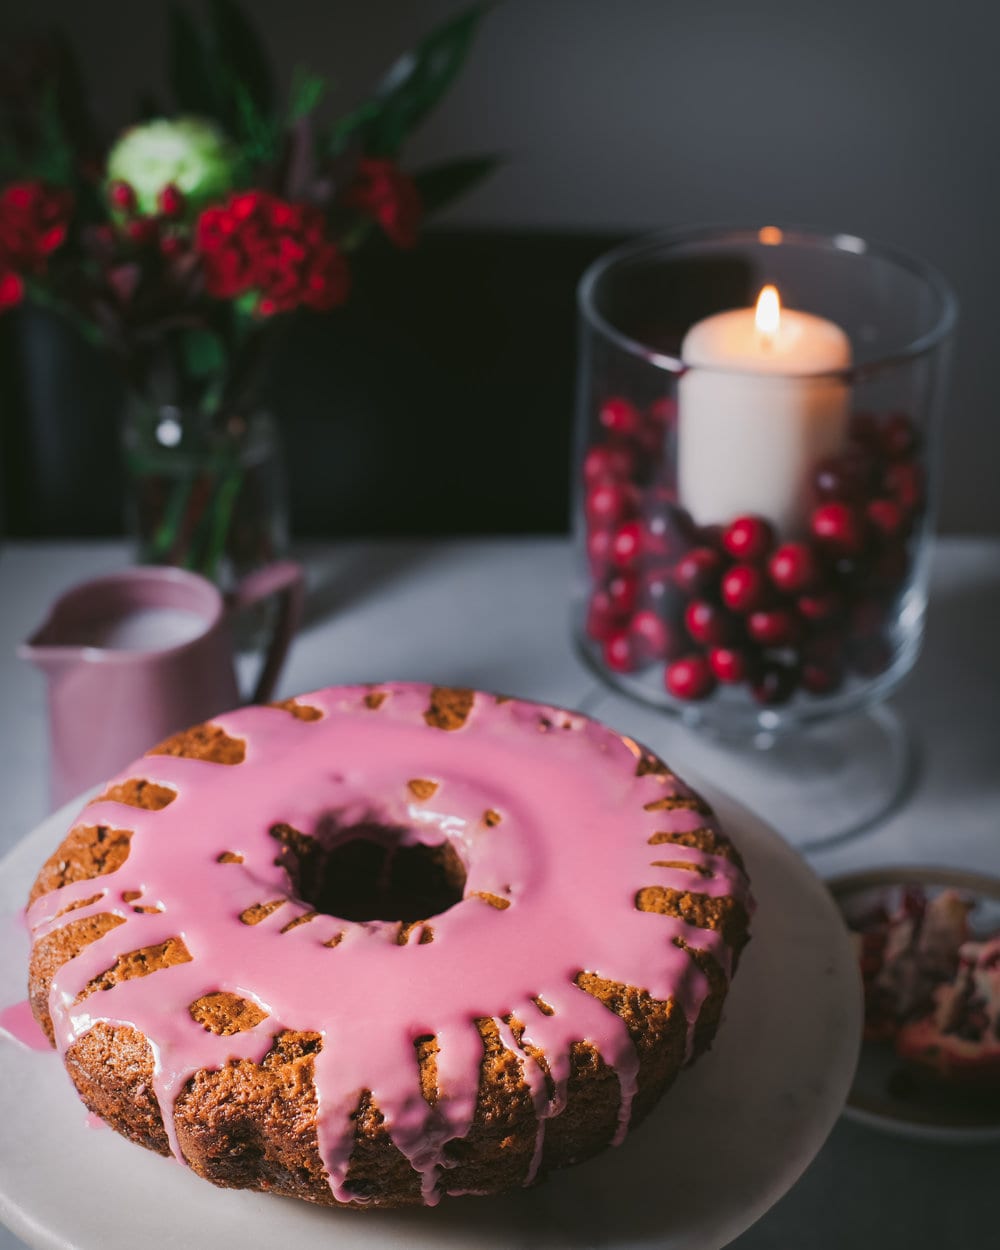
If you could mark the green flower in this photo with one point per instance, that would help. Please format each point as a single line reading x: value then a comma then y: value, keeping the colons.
x: 189, y: 153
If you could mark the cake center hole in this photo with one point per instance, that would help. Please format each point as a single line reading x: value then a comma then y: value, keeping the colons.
x: 366, y: 872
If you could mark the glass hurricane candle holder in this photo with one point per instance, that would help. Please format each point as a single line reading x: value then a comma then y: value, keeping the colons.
x: 755, y: 462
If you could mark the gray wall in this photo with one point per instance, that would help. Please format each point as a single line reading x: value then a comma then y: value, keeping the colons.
x: 877, y: 117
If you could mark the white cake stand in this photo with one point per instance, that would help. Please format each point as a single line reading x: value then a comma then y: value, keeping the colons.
x: 727, y: 1142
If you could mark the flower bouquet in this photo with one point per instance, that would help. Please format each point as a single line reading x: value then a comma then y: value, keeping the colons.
x: 184, y: 249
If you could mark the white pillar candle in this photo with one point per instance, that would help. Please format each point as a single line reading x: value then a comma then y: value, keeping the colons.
x: 756, y: 413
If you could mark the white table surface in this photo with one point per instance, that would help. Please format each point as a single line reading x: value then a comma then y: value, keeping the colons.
x: 493, y: 613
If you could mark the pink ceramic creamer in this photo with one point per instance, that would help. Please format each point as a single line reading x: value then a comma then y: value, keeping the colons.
x: 138, y: 655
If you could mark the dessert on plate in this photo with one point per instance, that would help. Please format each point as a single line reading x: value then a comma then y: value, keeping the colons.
x: 379, y: 944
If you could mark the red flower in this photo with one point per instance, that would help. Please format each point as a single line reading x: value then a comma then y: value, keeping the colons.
x: 259, y: 243
x: 34, y: 220
x: 387, y: 195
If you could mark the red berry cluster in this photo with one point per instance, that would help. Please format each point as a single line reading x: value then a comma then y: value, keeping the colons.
x: 34, y: 220
x: 731, y: 605
x: 256, y: 242
x: 387, y: 195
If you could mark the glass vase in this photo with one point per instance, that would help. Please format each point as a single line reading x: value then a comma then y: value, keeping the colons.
x: 753, y: 546
x: 205, y: 495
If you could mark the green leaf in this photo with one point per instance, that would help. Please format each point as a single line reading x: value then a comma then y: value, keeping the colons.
x: 203, y: 353
x: 413, y: 86
x: 54, y: 161
x: 194, y: 75
x: 240, y: 48
x: 439, y: 185
x: 307, y: 92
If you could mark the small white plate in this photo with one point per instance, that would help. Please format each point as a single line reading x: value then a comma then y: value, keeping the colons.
x: 727, y: 1142
x: 881, y: 1096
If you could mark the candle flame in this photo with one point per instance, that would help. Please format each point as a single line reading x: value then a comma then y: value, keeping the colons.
x: 768, y: 314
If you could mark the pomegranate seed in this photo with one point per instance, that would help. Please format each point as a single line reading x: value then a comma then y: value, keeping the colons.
x: 711, y: 536
x: 899, y: 437
x: 698, y: 571
x: 619, y: 416
x: 601, y: 619
x: 623, y: 590
x: 793, y: 568
x: 887, y: 517
x: 608, y: 502
x: 891, y: 567
x: 868, y: 616
x: 663, y: 538
x: 619, y: 654
x: 626, y: 545
x: 690, y: 678
x: 839, y: 528
x: 606, y: 463
x: 775, y: 684
x: 706, y: 623
x: 748, y: 538
x: 729, y: 665
x: 743, y: 588
x: 776, y: 627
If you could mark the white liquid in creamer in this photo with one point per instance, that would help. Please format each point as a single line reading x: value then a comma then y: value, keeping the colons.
x: 145, y: 629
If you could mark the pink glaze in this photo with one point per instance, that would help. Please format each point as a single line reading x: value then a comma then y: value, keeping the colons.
x: 18, y: 1022
x: 570, y: 853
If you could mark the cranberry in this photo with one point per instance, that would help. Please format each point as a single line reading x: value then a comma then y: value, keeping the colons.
x: 706, y: 623
x: 654, y: 638
x: 847, y: 476
x: 819, y: 678
x: 899, y: 438
x: 698, y: 571
x: 793, y: 568
x: 171, y: 201
x: 819, y: 605
x: 839, y: 528
x: 656, y: 589
x: 775, y: 684
x: 863, y: 429
x: 690, y: 678
x: 743, y: 588
x: 662, y: 535
x: 599, y: 551
x: 608, y: 502
x: 619, y: 653
x: 891, y: 567
x: 825, y: 650
x: 602, y: 621
x: 748, y: 538
x: 868, y: 616
x: 870, y: 656
x: 905, y: 483
x: 122, y: 196
x: 626, y: 545
x: 619, y: 416
x: 887, y: 518
x: 775, y: 627
x: 623, y: 590
x: 730, y: 665
x: 710, y: 536
x: 663, y: 411
x: 606, y: 463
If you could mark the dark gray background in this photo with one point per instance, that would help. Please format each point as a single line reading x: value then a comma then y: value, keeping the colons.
x: 876, y: 117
